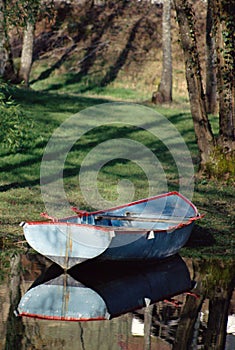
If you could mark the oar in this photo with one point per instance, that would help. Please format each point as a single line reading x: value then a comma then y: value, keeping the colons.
x: 145, y: 219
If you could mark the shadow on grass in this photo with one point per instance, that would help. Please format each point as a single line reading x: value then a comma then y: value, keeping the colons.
x: 43, y: 107
x: 102, y: 52
x: 61, y: 103
x: 94, y: 138
x: 102, y: 26
x: 45, y: 74
x: 200, y: 237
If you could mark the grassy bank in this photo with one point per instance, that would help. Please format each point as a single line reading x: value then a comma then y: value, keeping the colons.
x: 20, y: 191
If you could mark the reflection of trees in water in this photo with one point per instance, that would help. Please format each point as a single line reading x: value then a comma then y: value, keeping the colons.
x: 217, y: 283
x: 17, y: 335
x: 187, y: 321
x: 14, y: 338
x: 197, y: 320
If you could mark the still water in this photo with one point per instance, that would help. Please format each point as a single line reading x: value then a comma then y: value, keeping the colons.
x: 176, y: 304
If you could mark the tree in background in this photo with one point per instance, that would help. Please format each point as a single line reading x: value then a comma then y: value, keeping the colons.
x: 216, y: 154
x: 20, y: 14
x: 223, y: 12
x: 211, y: 83
x: 30, y: 11
x: 164, y: 92
x: 203, y: 132
x: 6, y: 62
x: 27, y: 47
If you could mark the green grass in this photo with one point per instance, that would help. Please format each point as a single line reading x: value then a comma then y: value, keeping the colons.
x: 89, y: 85
x: 20, y: 192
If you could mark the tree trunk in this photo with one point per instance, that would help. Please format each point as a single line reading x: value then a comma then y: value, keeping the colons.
x: 215, y: 336
x: 27, y: 53
x: 148, y: 312
x: 203, y: 132
x: 224, y: 20
x: 164, y: 93
x: 211, y: 88
x: 15, y: 326
x: 6, y: 61
x: 188, y: 317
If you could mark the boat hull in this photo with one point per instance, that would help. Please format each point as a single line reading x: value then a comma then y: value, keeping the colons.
x: 147, y: 245
x: 68, y: 245
x: 149, y: 229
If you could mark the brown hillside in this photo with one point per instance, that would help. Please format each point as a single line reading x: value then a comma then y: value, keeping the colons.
x: 118, y: 43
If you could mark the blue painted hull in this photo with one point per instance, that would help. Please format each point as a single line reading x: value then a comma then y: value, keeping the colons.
x: 164, y: 244
x: 149, y: 229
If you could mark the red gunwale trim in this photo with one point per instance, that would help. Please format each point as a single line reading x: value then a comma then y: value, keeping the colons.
x: 120, y: 229
x: 139, y: 202
x: 59, y: 223
x: 147, y: 200
x: 61, y: 318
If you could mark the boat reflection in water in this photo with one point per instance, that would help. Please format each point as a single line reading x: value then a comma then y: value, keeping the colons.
x: 96, y: 290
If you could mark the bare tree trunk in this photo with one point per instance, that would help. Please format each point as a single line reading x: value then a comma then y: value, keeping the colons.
x: 164, y: 93
x: 3, y: 52
x: 15, y: 327
x: 6, y: 61
x: 203, y: 132
x: 215, y: 337
x: 27, y: 53
x: 148, y: 312
x: 211, y: 88
x: 224, y: 19
x: 189, y: 315
x: 218, y: 280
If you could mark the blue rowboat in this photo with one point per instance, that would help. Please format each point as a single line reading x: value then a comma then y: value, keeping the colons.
x: 148, y: 229
x: 97, y: 290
